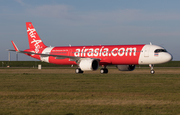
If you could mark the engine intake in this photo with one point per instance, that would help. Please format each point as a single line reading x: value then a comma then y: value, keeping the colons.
x: 126, y: 67
x: 89, y: 64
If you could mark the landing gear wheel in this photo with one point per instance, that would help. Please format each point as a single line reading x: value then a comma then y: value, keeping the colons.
x: 152, y: 71
x: 103, y: 70
x: 78, y: 70
x: 152, y: 68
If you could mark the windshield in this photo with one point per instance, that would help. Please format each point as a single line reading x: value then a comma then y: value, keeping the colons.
x: 159, y: 50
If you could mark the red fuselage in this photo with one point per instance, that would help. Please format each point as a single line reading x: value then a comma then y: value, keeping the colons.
x: 108, y: 54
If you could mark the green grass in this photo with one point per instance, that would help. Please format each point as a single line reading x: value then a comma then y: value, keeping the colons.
x: 93, y: 94
x: 32, y: 64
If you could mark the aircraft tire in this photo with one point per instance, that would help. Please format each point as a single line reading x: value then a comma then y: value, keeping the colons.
x: 152, y: 71
x: 78, y: 70
x: 104, y: 70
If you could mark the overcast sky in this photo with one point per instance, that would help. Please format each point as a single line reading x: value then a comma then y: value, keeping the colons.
x: 90, y: 22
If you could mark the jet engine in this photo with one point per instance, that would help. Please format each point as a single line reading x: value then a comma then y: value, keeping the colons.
x: 89, y: 64
x: 126, y: 67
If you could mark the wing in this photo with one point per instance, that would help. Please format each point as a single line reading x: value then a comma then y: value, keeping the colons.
x: 45, y: 55
x: 72, y: 58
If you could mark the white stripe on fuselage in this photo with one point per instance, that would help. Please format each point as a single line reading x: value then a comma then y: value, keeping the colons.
x: 46, y: 51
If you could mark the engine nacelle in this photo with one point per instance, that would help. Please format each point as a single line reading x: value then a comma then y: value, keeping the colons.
x: 126, y: 67
x: 89, y: 64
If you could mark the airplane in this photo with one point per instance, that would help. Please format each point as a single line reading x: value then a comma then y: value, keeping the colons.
x: 89, y: 58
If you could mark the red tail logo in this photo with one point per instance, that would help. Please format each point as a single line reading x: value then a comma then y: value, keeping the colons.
x: 35, y: 41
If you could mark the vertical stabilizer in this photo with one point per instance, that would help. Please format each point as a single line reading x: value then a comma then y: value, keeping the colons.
x: 35, y: 41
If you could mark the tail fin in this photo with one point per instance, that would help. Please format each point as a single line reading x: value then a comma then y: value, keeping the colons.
x: 35, y: 41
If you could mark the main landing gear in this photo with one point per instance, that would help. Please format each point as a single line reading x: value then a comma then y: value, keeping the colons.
x: 152, y: 68
x: 78, y: 70
x: 104, y: 70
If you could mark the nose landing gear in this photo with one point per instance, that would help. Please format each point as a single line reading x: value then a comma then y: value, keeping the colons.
x: 152, y: 68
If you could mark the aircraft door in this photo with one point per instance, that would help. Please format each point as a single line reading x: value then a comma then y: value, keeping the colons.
x: 146, y: 51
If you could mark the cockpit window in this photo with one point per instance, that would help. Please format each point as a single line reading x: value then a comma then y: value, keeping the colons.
x: 159, y: 50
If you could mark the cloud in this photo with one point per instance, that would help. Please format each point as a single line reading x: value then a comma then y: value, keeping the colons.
x: 20, y: 2
x: 164, y: 34
x: 96, y: 17
x: 129, y: 15
x: 53, y: 11
x: 69, y: 13
x: 118, y: 15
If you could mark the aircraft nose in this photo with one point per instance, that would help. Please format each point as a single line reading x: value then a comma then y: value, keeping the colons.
x: 168, y: 57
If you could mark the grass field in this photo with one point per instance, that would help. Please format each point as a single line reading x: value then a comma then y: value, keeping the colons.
x: 61, y: 91
x: 34, y: 64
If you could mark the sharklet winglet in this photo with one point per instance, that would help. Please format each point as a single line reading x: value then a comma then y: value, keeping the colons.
x: 15, y: 47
